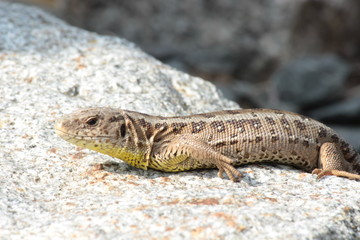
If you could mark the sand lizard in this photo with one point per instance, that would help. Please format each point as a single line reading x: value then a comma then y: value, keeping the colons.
x: 219, y: 139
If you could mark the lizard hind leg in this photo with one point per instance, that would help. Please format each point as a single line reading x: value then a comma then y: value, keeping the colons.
x: 333, y: 163
x: 187, y: 152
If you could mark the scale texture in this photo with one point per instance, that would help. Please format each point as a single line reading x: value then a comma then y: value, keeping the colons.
x: 219, y: 139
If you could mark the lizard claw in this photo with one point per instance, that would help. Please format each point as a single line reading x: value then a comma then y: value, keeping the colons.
x: 319, y: 172
x: 233, y: 174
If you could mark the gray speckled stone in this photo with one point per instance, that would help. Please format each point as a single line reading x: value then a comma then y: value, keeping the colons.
x: 50, y: 189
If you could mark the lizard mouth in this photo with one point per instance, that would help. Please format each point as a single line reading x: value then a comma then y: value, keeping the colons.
x: 66, y: 136
x: 60, y: 131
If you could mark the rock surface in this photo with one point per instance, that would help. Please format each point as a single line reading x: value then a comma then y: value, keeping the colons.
x: 50, y: 189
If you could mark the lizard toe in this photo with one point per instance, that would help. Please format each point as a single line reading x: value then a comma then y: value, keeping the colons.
x: 221, y: 173
x: 233, y: 174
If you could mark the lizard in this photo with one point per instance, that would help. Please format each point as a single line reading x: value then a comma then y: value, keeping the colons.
x: 222, y: 140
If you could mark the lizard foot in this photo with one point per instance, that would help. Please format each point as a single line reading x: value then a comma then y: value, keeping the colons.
x: 233, y: 174
x: 322, y: 173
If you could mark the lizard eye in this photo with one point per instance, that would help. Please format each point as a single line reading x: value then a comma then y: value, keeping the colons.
x: 92, y: 121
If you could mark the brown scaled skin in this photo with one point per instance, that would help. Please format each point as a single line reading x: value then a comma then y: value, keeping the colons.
x: 219, y: 139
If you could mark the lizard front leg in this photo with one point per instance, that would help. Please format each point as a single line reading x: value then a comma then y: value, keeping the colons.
x: 187, y: 152
x: 333, y: 163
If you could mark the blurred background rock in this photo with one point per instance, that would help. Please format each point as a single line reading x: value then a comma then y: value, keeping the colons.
x: 301, y: 56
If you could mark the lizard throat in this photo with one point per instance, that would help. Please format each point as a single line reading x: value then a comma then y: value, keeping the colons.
x: 103, y: 144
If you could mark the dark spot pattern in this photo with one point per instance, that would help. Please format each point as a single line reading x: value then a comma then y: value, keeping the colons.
x: 149, y: 133
x: 254, y: 114
x: 356, y: 168
x: 197, y: 126
x: 232, y: 142
x: 220, y: 144
x: 272, y: 131
x: 177, y: 127
x: 344, y: 144
x: 296, y: 140
x: 345, y: 148
x: 238, y: 124
x: 352, y: 158
x: 185, y: 117
x: 210, y: 138
x: 161, y: 125
x: 335, y: 138
x: 300, y: 125
x: 275, y: 139
x: 346, y: 151
x: 284, y: 122
x: 116, y: 118
x: 306, y: 143
x: 144, y: 123
x: 219, y: 126
x: 322, y: 132
x: 270, y: 121
x: 235, y: 123
x: 232, y: 112
x: 256, y: 123
x: 208, y: 115
x: 258, y: 139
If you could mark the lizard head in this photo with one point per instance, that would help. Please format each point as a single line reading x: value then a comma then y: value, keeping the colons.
x: 105, y: 130
x: 91, y: 123
x: 94, y: 128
